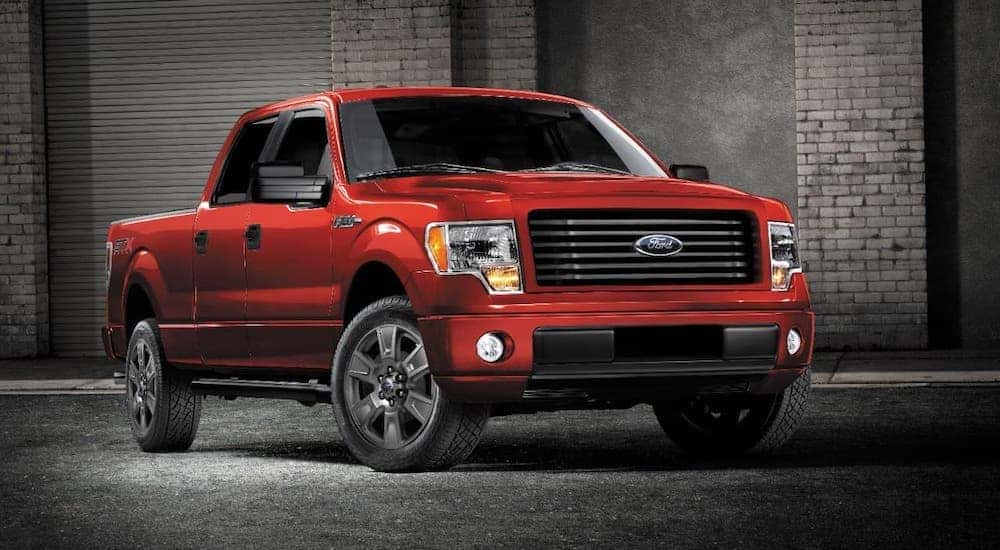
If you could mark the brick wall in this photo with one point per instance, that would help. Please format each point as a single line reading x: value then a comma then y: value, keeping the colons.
x: 23, y: 261
x: 493, y: 43
x: 859, y: 107
x: 391, y: 42
x: 433, y: 43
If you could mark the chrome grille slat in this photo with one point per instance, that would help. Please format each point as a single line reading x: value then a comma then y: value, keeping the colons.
x: 631, y: 276
x: 595, y: 247
x: 674, y: 232
x: 643, y: 265
x: 628, y: 244
x: 631, y: 255
x: 662, y: 221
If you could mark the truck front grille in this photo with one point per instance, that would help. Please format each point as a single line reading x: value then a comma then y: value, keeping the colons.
x: 597, y: 247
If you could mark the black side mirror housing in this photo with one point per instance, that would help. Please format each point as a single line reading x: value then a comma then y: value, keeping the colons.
x: 282, y: 182
x: 692, y: 172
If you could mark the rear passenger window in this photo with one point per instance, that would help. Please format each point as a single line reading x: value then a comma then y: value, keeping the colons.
x: 305, y: 143
x: 246, y: 151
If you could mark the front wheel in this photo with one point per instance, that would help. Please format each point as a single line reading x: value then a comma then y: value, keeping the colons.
x: 390, y: 412
x: 718, y: 426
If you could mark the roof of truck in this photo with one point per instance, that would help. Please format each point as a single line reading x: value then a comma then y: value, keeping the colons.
x: 360, y: 94
x: 356, y: 94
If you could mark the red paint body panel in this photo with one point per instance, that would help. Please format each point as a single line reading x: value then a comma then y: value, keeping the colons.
x: 152, y: 260
x: 281, y: 307
x: 289, y: 310
x: 221, y: 286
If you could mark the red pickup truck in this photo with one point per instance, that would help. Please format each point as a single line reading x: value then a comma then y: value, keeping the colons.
x: 424, y: 258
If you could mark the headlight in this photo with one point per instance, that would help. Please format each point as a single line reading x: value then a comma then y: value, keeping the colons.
x: 487, y: 250
x: 784, y: 254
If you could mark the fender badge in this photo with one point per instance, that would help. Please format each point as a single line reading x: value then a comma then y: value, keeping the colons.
x: 341, y: 222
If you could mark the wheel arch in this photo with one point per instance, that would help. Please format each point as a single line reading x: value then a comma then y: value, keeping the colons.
x: 372, y: 281
x: 138, y: 306
x: 140, y: 297
x: 386, y: 252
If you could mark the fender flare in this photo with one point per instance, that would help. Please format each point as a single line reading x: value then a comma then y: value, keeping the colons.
x: 392, y: 243
x: 143, y: 270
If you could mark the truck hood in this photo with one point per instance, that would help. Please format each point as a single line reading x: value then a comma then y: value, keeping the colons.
x: 545, y: 185
x: 499, y: 196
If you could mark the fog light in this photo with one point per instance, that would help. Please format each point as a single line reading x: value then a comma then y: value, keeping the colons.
x: 794, y: 342
x: 490, y: 347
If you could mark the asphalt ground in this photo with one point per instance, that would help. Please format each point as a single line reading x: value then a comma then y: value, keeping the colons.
x: 904, y: 467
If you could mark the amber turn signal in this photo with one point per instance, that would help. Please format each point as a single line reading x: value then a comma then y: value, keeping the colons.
x: 437, y: 244
x: 780, y: 276
x: 504, y: 278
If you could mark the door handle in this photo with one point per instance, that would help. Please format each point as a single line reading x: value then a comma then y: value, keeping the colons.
x: 253, y: 236
x: 201, y: 242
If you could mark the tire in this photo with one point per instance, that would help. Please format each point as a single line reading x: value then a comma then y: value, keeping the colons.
x: 163, y: 412
x: 419, y: 429
x: 725, y: 426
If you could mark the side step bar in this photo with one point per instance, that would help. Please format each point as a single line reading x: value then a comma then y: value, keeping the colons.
x: 305, y: 392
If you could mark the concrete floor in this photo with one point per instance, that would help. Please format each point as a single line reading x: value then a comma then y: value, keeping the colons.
x: 911, y: 467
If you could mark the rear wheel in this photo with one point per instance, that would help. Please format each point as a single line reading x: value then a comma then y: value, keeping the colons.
x: 162, y: 410
x: 390, y: 412
x: 717, y: 426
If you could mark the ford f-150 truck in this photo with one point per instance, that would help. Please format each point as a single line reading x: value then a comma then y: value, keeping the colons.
x: 424, y: 258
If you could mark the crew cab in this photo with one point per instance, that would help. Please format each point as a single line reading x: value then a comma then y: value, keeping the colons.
x: 426, y: 258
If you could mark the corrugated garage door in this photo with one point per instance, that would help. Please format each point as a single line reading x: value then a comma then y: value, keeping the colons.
x: 140, y: 95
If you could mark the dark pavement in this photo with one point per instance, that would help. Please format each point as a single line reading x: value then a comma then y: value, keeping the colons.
x: 908, y: 467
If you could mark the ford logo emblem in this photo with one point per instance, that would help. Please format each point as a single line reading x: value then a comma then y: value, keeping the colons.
x: 658, y: 245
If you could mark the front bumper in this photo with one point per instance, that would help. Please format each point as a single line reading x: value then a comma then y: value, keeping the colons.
x: 565, y: 350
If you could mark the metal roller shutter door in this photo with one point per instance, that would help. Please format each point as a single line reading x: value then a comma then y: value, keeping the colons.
x: 140, y: 95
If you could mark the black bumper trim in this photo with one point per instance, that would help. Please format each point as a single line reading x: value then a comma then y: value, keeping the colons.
x: 750, y: 341
x: 574, y: 345
x: 576, y: 371
x: 616, y: 352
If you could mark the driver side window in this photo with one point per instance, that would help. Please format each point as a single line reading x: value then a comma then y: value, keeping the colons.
x: 305, y: 143
x: 237, y: 171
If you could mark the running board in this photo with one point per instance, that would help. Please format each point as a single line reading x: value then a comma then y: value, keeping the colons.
x: 305, y: 392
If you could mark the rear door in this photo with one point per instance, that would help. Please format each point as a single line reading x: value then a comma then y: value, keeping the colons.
x: 290, y: 259
x: 220, y: 254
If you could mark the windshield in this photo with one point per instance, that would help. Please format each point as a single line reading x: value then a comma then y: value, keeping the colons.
x: 421, y: 135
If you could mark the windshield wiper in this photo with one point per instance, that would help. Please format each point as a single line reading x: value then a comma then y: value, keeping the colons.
x: 570, y: 166
x: 428, y: 168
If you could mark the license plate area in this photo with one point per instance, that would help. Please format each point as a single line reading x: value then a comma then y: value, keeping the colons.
x: 650, y: 350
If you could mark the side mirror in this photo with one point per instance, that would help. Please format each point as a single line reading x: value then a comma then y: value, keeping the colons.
x: 692, y: 172
x: 283, y: 182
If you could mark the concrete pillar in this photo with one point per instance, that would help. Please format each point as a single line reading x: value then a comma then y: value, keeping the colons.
x: 391, y: 42
x: 24, y: 296
x: 861, y: 177
x: 493, y: 43
x: 433, y: 43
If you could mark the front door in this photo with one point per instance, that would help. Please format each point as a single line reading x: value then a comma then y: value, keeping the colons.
x: 290, y: 262
x: 220, y: 254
